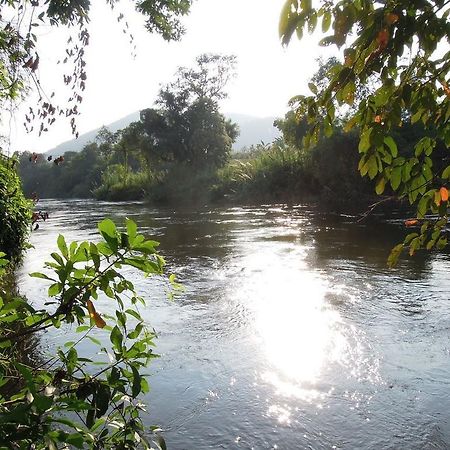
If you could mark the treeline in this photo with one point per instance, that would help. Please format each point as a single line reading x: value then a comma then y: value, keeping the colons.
x: 122, y: 166
x: 180, y: 152
x: 170, y: 154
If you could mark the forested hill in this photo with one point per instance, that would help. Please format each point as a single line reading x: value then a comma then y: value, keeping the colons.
x: 76, y: 145
x: 253, y: 130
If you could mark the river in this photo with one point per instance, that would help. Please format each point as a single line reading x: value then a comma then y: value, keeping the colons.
x: 291, y: 332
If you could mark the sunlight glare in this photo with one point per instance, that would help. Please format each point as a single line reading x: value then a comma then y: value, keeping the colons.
x: 298, y: 331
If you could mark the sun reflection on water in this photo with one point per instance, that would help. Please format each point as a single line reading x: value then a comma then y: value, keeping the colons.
x: 298, y: 331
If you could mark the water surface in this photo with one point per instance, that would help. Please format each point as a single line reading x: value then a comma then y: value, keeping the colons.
x: 291, y: 333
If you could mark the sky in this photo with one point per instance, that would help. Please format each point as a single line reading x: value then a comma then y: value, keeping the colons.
x: 268, y: 75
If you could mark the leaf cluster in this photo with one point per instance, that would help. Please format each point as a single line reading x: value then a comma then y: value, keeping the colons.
x: 403, y: 44
x: 15, y: 211
x: 68, y: 399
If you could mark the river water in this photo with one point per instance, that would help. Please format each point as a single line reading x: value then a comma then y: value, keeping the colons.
x: 291, y: 332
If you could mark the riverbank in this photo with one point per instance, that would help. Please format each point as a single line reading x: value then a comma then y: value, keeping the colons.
x: 263, y: 174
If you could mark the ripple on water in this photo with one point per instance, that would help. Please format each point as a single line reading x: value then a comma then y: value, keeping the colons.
x: 291, y: 332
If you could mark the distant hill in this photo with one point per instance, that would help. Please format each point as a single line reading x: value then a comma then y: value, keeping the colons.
x: 76, y: 145
x: 253, y: 130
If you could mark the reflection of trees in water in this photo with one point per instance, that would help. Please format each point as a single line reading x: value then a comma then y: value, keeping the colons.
x: 342, y: 240
x: 355, y: 254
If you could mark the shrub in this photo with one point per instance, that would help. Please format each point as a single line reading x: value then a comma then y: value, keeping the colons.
x: 118, y: 184
x: 276, y: 173
x: 15, y: 211
x: 67, y: 400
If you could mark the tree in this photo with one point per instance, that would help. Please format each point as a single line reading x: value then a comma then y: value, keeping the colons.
x: 403, y: 44
x: 208, y: 79
x: 292, y: 129
x: 187, y: 127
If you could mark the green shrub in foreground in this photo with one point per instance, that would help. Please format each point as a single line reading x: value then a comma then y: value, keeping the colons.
x: 67, y: 400
x: 15, y: 211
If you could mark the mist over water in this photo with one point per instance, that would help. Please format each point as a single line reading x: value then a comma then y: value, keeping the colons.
x: 291, y: 332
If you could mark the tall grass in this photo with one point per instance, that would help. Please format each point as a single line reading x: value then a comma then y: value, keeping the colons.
x: 120, y: 184
x: 274, y: 173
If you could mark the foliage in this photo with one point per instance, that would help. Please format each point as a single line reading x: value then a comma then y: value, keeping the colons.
x: 77, y: 177
x: 292, y: 129
x: 187, y: 126
x: 69, y: 399
x: 19, y: 57
x: 404, y: 45
x: 283, y: 172
x: 15, y: 211
x: 268, y: 173
x: 207, y: 80
x: 118, y: 184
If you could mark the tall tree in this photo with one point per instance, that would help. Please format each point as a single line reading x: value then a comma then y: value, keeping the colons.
x: 404, y: 44
x: 208, y: 79
x: 187, y: 127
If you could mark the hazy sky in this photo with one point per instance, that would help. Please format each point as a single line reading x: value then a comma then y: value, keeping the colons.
x: 267, y: 74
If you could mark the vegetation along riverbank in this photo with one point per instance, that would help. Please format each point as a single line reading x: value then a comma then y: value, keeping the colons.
x: 373, y: 121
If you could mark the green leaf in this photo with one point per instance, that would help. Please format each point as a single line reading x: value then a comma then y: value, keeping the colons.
x: 57, y: 258
x: 364, y: 142
x: 422, y: 207
x: 54, y: 289
x: 40, y: 275
x: 416, y: 116
x: 326, y: 21
x: 136, y: 386
x: 410, y: 237
x: 396, y: 177
x: 62, y: 246
x: 108, y: 227
x: 327, y: 41
x: 373, y: 167
x: 389, y: 141
x: 75, y: 439
x: 116, y: 338
x: 394, y: 255
x: 289, y: 21
x: 131, y: 228
x: 379, y: 189
x: 134, y: 334
x: 133, y: 313
x: 446, y: 173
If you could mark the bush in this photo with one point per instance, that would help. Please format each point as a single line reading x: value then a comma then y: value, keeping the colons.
x: 15, y: 211
x: 66, y: 400
x: 277, y: 173
x: 118, y: 184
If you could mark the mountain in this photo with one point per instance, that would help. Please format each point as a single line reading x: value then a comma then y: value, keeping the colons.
x: 253, y: 130
x: 76, y: 145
